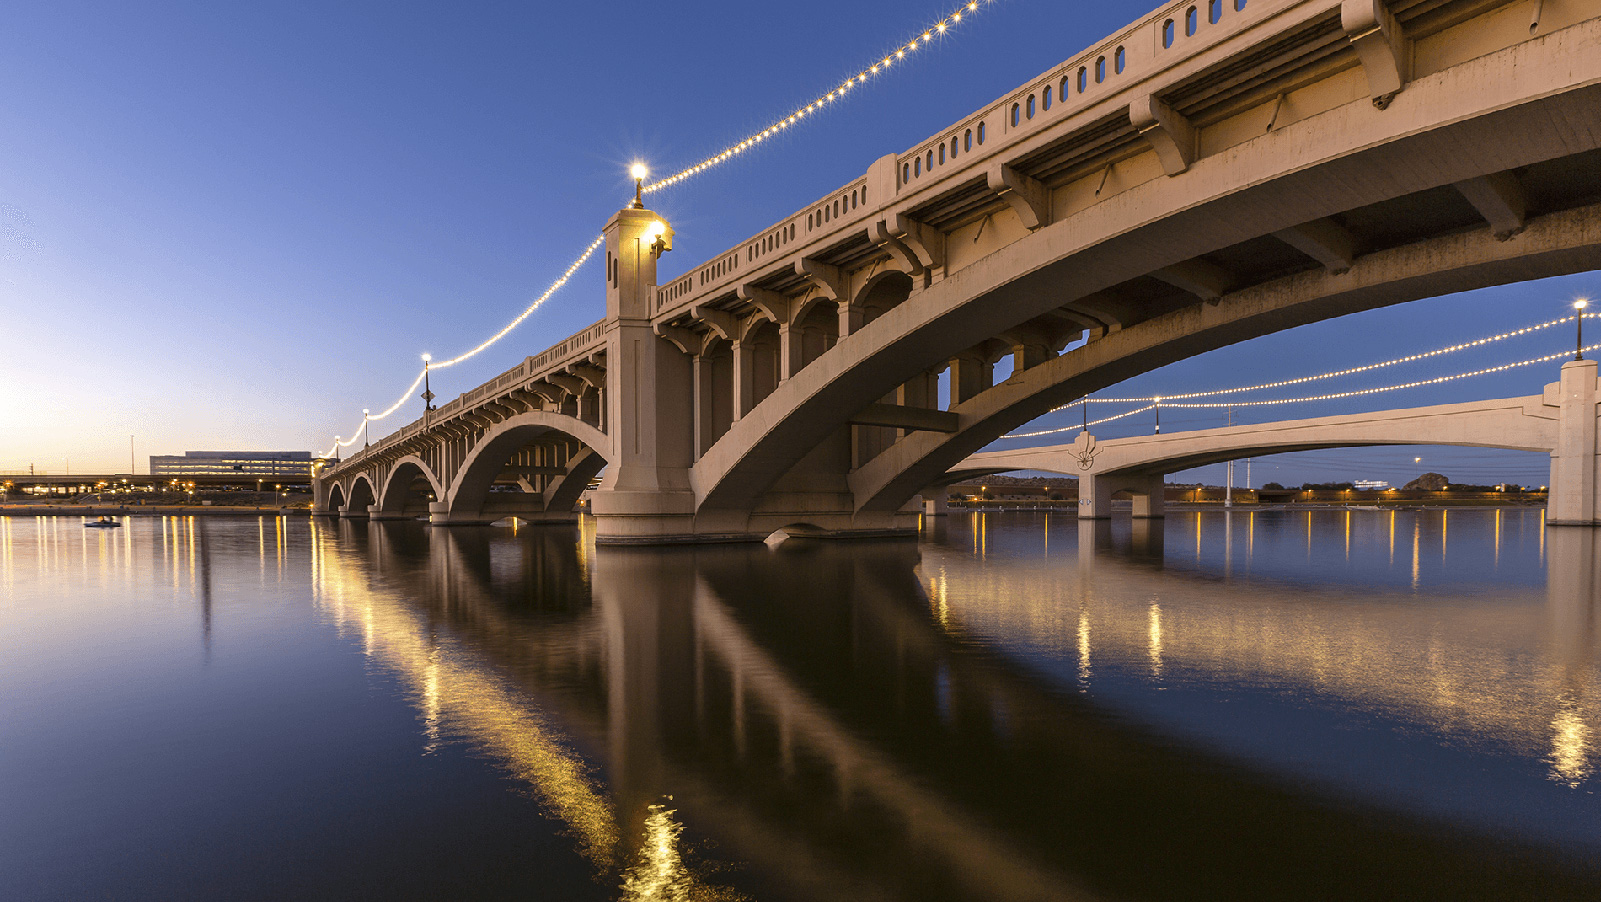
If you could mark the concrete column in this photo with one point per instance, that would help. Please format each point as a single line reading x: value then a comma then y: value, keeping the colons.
x: 589, y: 407
x: 851, y: 318
x: 1094, y: 497
x: 705, y: 398
x: 937, y: 502
x: 790, y: 350
x: 969, y: 376
x: 1572, y: 501
x: 744, y: 378
x: 1028, y: 356
x: 1149, y: 496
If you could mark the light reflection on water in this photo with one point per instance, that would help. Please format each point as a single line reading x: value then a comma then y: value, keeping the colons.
x: 1343, y: 703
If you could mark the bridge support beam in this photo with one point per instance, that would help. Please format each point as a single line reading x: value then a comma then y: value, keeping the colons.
x: 1574, y: 480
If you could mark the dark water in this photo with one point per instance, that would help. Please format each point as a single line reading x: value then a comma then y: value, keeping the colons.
x: 1334, y: 705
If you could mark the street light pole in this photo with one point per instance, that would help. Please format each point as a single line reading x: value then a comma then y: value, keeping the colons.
x: 366, y: 438
x: 1579, y: 305
x: 427, y: 393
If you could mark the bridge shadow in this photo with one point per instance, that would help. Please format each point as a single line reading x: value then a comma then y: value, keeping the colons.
x: 814, y: 709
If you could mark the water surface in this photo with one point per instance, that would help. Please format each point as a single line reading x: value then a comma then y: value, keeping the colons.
x: 1338, y: 704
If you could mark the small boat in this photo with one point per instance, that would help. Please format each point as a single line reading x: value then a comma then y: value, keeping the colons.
x: 102, y: 523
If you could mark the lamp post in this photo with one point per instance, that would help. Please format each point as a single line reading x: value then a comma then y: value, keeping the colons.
x: 427, y: 393
x: 1578, y: 321
x: 366, y: 438
x: 638, y: 171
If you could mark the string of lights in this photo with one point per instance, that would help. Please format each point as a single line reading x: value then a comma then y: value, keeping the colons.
x: 1160, y: 402
x: 1301, y: 380
x: 1079, y: 426
x: 937, y: 29
x: 538, y: 302
x: 1334, y: 396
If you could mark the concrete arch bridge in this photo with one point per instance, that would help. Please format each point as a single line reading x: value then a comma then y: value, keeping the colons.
x: 1151, y: 198
x: 1561, y: 421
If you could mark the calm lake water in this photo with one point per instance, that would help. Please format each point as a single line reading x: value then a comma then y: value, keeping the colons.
x: 1328, y: 705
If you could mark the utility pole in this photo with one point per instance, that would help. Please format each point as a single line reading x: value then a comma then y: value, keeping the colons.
x: 1228, y: 490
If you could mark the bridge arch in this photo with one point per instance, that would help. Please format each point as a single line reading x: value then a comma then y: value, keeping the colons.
x: 336, y: 499
x: 399, y: 497
x: 362, y: 496
x: 1170, y: 252
x: 470, y: 499
x: 932, y: 325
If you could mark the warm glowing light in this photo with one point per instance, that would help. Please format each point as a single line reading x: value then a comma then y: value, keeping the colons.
x: 1273, y: 402
x: 941, y: 26
x: 638, y: 171
x: 1410, y: 358
x: 1581, y: 303
x: 528, y: 311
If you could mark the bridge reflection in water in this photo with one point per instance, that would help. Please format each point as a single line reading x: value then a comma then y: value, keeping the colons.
x: 972, y: 717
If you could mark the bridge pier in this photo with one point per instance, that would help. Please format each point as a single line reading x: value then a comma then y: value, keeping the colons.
x: 1574, y: 480
x: 1095, y: 493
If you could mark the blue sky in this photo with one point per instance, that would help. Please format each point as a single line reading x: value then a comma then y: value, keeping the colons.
x: 233, y: 226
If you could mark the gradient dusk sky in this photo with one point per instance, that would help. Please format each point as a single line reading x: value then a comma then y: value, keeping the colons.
x: 233, y: 226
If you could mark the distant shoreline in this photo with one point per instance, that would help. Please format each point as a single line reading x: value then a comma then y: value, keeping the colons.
x: 187, y: 510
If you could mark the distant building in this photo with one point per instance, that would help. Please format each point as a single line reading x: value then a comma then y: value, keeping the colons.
x: 244, y: 464
x: 1370, y: 485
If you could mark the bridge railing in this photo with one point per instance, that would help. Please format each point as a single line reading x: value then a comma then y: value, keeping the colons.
x: 1114, y: 66
x: 555, y: 357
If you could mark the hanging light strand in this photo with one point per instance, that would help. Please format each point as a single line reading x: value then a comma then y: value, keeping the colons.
x: 937, y: 29
x: 1332, y: 396
x: 1302, y: 380
x: 538, y: 302
x: 340, y: 443
x: 1077, y: 427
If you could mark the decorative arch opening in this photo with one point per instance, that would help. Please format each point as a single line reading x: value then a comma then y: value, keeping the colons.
x: 816, y: 329
x: 714, y: 385
x: 408, y: 491
x: 362, y: 496
x: 527, y: 467
x: 760, y: 375
x: 882, y: 294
